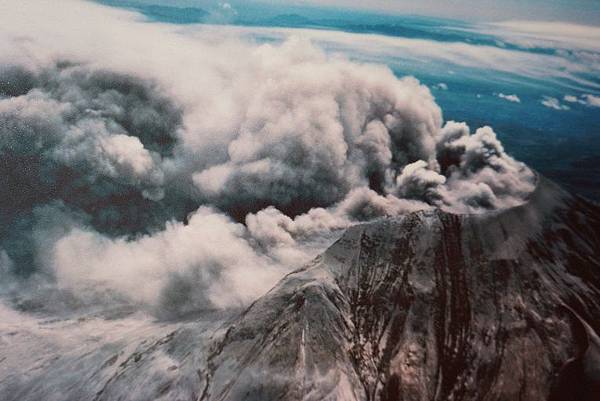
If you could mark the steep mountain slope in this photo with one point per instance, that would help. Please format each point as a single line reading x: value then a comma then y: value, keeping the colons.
x: 102, y: 357
x: 428, y: 306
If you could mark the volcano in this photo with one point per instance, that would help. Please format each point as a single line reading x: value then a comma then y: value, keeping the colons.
x: 426, y: 306
x: 430, y: 306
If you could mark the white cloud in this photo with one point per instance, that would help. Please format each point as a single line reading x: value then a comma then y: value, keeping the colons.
x: 570, y: 99
x: 553, y: 103
x: 510, y: 98
x: 591, y: 100
x: 211, y: 253
x: 585, y: 99
x: 549, y: 34
x: 375, y: 47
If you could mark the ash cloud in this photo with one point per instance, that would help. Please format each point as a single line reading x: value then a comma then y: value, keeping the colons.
x: 153, y: 167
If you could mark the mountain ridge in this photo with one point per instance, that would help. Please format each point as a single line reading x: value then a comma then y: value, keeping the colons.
x: 425, y: 306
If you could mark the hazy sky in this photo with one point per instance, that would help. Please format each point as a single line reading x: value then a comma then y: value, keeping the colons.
x: 579, y: 11
x: 583, y: 11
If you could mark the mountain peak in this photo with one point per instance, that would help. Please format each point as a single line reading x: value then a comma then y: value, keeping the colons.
x: 431, y: 305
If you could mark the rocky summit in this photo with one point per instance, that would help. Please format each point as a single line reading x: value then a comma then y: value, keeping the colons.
x: 430, y: 306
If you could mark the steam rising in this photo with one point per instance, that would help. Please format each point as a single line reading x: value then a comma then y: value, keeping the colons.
x: 179, y: 171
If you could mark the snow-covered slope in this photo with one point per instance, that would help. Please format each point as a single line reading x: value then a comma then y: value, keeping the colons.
x: 427, y: 306
x: 102, y: 357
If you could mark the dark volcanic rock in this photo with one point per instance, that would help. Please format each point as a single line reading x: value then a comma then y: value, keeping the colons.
x: 429, y: 306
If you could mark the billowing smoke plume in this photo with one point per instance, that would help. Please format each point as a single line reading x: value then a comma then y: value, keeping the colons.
x: 180, y: 171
